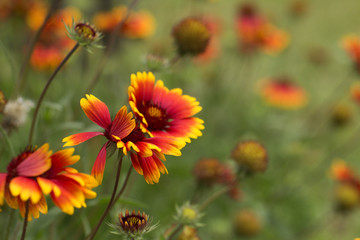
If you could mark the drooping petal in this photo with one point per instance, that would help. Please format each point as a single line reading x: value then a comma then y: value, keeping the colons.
x: 99, y: 165
x: 36, y: 163
x: 63, y: 158
x: 26, y: 188
x: 79, y: 138
x: 47, y: 186
x: 123, y: 123
x: 135, y: 163
x: 96, y: 110
x: 2, y: 187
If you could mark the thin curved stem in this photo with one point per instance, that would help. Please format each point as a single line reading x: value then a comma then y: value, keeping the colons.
x: 123, y: 186
x: 24, y: 67
x: 94, y: 231
x: 110, y: 47
x: 45, y: 90
x: 25, y: 220
x: 214, y: 197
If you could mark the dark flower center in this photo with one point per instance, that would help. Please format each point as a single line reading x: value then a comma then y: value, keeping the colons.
x: 133, y: 223
x: 85, y: 30
x: 135, y: 136
x: 156, y: 117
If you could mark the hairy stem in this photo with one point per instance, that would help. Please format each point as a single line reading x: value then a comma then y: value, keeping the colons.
x: 24, y: 67
x: 45, y: 90
x: 96, y: 228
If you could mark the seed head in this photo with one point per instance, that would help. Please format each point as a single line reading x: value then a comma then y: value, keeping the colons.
x: 246, y: 223
x: 251, y: 156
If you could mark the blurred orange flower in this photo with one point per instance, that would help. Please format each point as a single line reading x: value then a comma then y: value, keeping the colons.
x: 138, y: 25
x: 282, y: 93
x: 256, y: 32
x: 351, y: 43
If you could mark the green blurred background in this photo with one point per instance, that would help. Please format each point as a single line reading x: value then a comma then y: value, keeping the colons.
x: 293, y: 198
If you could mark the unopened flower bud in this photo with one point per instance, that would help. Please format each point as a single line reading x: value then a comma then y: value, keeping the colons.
x: 191, y: 36
x: 85, y: 34
x: 188, y: 215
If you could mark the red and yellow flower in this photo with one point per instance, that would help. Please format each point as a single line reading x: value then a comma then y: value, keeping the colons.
x: 146, y: 153
x: 36, y: 173
x: 163, y: 112
x: 282, y: 93
x: 351, y: 43
x: 255, y: 32
x: 138, y: 25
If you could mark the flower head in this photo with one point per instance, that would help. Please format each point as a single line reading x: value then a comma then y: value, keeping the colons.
x: 255, y: 32
x: 208, y: 171
x: 347, y: 197
x: 138, y: 24
x: 83, y: 33
x: 133, y: 225
x: 251, y: 156
x: 188, y: 233
x: 163, y: 112
x: 36, y: 173
x: 146, y: 153
x: 191, y: 36
x: 351, y: 44
x: 246, y: 223
x: 282, y: 93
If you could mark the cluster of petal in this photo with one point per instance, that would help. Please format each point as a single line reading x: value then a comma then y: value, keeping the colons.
x: 139, y: 24
x: 53, y: 43
x: 146, y: 153
x: 36, y: 173
x: 163, y: 112
x: 257, y: 33
x: 351, y: 43
x: 282, y: 93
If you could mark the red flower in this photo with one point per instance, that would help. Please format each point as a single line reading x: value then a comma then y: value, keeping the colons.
x: 33, y: 174
x: 163, y: 112
x: 146, y: 153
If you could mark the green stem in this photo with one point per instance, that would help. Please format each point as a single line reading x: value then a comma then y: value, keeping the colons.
x: 96, y: 228
x: 6, y: 137
x: 45, y: 90
x: 110, y: 47
x: 214, y: 197
x: 123, y: 186
x: 25, y: 220
x: 25, y: 65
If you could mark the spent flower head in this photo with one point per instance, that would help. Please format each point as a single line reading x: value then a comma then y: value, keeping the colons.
x: 133, y: 225
x: 15, y: 113
x: 84, y: 34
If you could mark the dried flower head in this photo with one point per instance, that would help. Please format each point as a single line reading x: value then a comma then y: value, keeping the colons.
x: 250, y: 155
x: 347, y: 197
x: 191, y: 36
x: 133, y: 225
x: 2, y: 101
x: 15, y: 113
x: 246, y: 223
x: 85, y: 34
x: 188, y: 214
